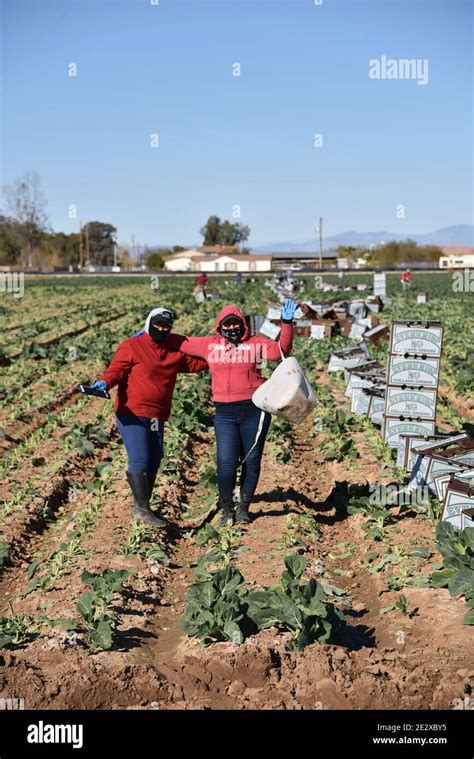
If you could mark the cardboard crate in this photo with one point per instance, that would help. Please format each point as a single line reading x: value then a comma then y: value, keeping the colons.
x: 410, y: 402
x: 450, y: 448
x: 254, y: 322
x: 346, y: 326
x: 270, y: 330
x: 435, y: 458
x: 369, y: 365
x: 374, y: 303
x: 416, y: 338
x: 405, y: 455
x: 376, y: 405
x: 422, y: 298
x: 457, y: 501
x: 441, y: 481
x: 360, y: 402
x: 331, y: 327
x: 362, y: 380
x: 347, y: 357
x: 357, y: 308
x: 413, y: 372
x: 377, y: 334
x: 380, y: 284
x: 393, y: 427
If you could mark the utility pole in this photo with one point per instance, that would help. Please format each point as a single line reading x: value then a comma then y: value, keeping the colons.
x: 87, y: 244
x: 80, y: 246
x: 320, y: 242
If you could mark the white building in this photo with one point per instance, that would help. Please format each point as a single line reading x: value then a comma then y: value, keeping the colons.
x: 210, y: 262
x: 457, y: 258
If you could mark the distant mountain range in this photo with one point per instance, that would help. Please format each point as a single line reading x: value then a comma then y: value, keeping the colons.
x: 458, y: 235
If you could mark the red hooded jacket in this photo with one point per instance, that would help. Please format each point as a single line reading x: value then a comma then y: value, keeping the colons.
x: 145, y: 373
x: 235, y: 369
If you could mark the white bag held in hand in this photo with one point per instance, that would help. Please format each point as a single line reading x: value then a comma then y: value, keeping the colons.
x: 287, y: 393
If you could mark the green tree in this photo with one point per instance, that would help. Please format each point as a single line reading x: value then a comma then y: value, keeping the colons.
x: 397, y: 253
x: 155, y: 257
x: 12, y: 238
x: 101, y: 242
x: 217, y: 232
x: 212, y: 231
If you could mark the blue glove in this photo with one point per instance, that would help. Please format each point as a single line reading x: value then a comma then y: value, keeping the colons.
x: 288, y: 310
x: 99, y: 385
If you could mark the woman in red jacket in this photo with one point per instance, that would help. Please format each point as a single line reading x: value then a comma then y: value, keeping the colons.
x: 235, y: 360
x: 145, y: 367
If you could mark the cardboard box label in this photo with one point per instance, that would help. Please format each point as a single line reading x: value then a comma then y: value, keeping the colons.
x: 422, y: 341
x: 394, y: 427
x: 413, y: 372
x: 414, y: 403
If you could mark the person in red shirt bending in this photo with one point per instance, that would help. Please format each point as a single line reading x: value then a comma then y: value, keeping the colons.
x: 144, y: 368
x: 407, y: 279
x: 235, y: 360
x: 201, y: 280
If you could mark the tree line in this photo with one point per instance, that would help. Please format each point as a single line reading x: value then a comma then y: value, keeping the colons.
x: 28, y: 241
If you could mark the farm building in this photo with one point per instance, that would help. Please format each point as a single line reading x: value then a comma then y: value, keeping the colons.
x: 457, y: 258
x: 207, y: 259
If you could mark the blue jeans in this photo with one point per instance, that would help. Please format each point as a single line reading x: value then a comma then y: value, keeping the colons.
x: 236, y: 427
x: 143, y: 440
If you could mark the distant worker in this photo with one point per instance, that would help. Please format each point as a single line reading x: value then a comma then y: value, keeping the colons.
x: 406, y: 280
x: 238, y: 277
x: 201, y: 280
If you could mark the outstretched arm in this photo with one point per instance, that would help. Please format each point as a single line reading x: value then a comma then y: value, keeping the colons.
x: 286, y: 334
x: 272, y: 347
x: 195, y: 346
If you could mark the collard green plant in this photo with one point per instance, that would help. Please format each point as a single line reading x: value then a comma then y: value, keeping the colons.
x: 457, y: 549
x: 215, y: 607
x: 17, y: 629
x: 295, y: 606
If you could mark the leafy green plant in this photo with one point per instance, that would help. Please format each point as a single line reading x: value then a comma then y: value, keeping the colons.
x: 338, y: 445
x: 84, y: 438
x: 377, y: 513
x: 294, y: 606
x: 140, y: 543
x: 17, y: 629
x: 402, y: 605
x: 99, y: 622
x: 457, y: 549
x: 215, y: 607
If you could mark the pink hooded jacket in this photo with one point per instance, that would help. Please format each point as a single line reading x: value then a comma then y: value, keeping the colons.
x: 235, y: 369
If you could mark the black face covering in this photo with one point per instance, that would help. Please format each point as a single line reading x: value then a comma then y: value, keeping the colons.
x: 157, y: 335
x: 233, y: 335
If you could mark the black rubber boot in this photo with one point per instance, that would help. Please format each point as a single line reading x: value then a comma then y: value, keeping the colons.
x: 138, y: 482
x: 226, y: 506
x: 242, y: 515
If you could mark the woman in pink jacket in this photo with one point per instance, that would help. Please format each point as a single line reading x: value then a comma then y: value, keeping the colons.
x: 235, y: 360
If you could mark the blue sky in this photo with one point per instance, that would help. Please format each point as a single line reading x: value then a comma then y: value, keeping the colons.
x: 245, y: 141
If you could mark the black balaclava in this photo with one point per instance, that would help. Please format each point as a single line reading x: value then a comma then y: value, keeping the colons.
x: 159, y: 336
x: 232, y: 335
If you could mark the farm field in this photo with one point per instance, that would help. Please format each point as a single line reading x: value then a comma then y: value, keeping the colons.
x: 392, y: 638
